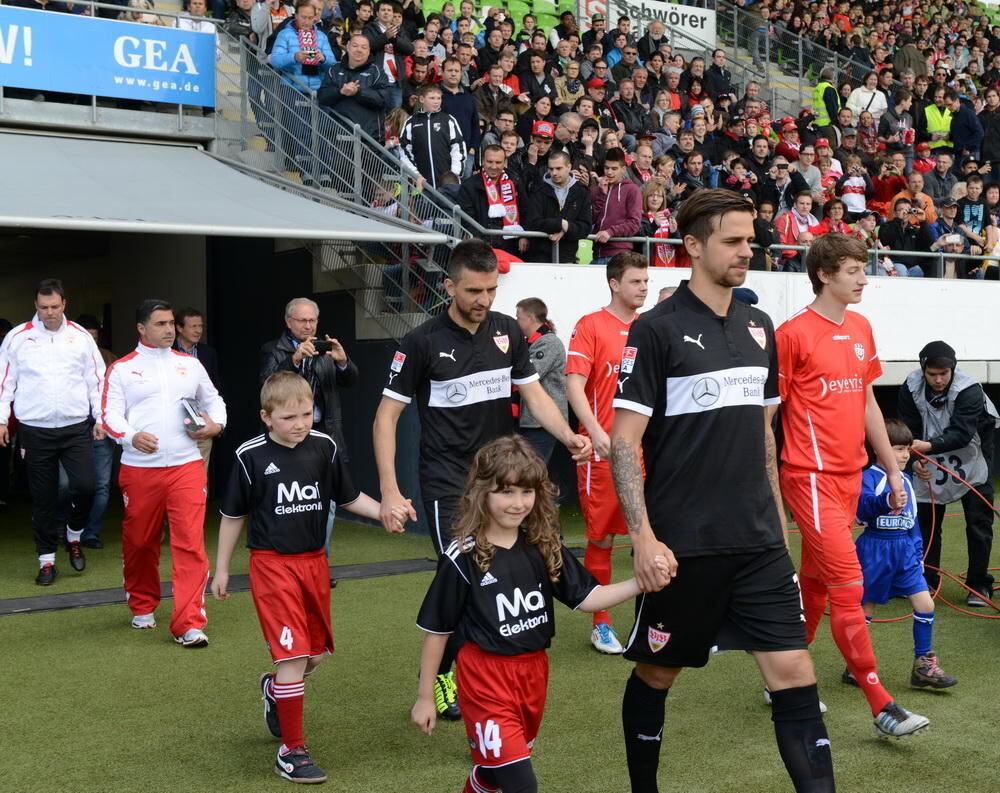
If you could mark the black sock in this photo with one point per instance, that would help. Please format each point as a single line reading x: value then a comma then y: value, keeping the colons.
x: 802, y: 739
x: 642, y: 720
x: 450, y: 653
x: 514, y: 778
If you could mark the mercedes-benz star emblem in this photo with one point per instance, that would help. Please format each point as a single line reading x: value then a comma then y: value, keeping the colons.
x: 706, y: 392
x: 456, y: 392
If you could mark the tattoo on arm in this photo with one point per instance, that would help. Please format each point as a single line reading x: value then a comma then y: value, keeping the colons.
x: 627, y: 474
x: 771, y: 463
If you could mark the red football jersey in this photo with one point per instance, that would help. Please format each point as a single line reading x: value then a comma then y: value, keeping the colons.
x: 824, y: 371
x: 595, y: 351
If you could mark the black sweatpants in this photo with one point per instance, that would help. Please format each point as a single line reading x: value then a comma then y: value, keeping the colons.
x: 978, y: 535
x: 44, y: 449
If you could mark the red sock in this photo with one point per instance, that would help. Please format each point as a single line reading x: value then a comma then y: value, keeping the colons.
x: 289, y: 697
x: 850, y: 632
x: 813, y: 604
x: 597, y: 560
x: 475, y: 784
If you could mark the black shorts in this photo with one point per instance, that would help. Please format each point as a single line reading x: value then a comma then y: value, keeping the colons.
x: 441, y: 515
x: 739, y: 602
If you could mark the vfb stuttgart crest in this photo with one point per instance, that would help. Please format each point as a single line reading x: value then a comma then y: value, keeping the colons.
x: 502, y: 342
x: 759, y: 335
x: 657, y: 639
x: 859, y: 350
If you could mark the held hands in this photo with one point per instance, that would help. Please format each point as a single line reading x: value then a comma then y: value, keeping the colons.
x: 897, y: 498
x: 602, y: 443
x: 580, y: 448
x: 394, y: 512
x: 424, y: 715
x: 653, y: 564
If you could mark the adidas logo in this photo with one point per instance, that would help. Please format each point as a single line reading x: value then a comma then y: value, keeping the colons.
x: 271, y: 469
x: 488, y: 579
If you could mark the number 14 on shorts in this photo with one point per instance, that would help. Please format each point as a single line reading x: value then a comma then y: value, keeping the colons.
x: 489, y: 738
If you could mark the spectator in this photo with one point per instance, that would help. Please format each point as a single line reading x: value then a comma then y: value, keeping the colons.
x: 504, y: 122
x: 617, y: 208
x: 948, y: 223
x: 834, y: 219
x: 855, y: 187
x: 598, y: 28
x: 569, y: 85
x: 491, y: 198
x: 629, y: 112
x: 489, y: 54
x: 640, y: 170
x: 966, y: 130
x: 973, y: 217
x: 909, y: 231
x: 805, y: 166
x: 162, y: 472
x: 719, y: 80
x: 694, y: 176
x: 765, y: 235
x: 651, y: 40
x: 53, y: 396
x: 867, y: 97
x: 826, y: 102
x: 895, y: 128
x: 548, y: 354
x: 560, y: 207
x: 541, y: 110
x: 939, y: 182
x: 934, y: 124
x: 792, y: 225
x: 356, y: 89
x: 678, y: 99
x: 989, y: 118
x: 418, y: 77
x: 326, y: 371
x: 303, y: 55
x: 460, y: 105
x: 917, y: 197
x: 628, y: 64
x: 493, y: 96
x: 759, y: 160
x: 431, y: 142
x: 389, y: 46
x: 665, y: 138
x: 781, y: 186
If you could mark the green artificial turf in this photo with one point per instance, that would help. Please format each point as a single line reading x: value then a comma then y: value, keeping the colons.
x: 91, y: 706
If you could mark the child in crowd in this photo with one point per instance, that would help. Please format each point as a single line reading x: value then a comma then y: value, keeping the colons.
x: 891, y: 554
x: 495, y: 585
x: 285, y: 481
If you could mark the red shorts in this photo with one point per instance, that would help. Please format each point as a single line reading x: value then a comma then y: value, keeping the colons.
x: 502, y: 698
x: 291, y: 593
x: 824, y: 507
x: 599, y: 501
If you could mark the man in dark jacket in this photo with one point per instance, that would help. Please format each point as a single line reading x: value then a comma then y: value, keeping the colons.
x: 493, y: 200
x: 460, y: 104
x: 989, y: 117
x: 561, y: 208
x: 629, y: 112
x: 966, y: 131
x: 356, y: 90
x: 327, y: 373
x: 389, y: 47
x: 909, y: 231
x: 718, y: 79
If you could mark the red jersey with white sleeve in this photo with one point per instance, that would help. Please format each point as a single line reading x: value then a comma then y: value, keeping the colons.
x: 824, y: 370
x: 143, y: 393
x: 595, y: 351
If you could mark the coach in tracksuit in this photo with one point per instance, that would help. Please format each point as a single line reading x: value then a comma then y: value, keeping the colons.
x: 51, y: 371
x: 162, y: 471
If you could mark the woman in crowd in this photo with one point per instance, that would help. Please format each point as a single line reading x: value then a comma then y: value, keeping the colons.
x: 867, y: 97
x: 541, y: 110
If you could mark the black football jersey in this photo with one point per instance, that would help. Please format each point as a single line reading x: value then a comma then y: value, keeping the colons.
x: 462, y: 385
x: 508, y: 609
x: 286, y: 493
x: 703, y: 381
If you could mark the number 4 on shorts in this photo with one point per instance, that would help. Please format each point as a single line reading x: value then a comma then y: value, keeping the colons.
x: 489, y: 738
x: 286, y: 639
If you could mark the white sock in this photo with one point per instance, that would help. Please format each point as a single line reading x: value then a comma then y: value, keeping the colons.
x: 46, y: 558
x: 73, y: 536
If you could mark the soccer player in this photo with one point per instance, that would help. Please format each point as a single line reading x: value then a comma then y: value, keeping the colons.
x: 595, y: 352
x: 459, y: 368
x: 496, y: 584
x: 701, y: 389
x: 828, y: 362
x: 284, y: 481
x: 891, y: 553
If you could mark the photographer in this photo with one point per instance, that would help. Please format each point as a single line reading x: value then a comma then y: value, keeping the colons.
x: 324, y: 364
x: 781, y: 186
x: 910, y: 231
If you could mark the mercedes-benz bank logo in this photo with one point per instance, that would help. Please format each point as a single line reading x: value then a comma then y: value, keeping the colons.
x: 706, y: 392
x: 456, y: 392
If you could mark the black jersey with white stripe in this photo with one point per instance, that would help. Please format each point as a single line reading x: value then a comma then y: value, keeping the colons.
x: 508, y: 609
x: 704, y: 380
x: 285, y: 493
x: 462, y: 385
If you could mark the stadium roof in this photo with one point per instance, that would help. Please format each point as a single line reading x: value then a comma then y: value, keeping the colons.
x: 57, y: 182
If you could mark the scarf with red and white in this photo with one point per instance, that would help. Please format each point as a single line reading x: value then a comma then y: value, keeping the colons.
x: 308, y: 41
x: 502, y: 198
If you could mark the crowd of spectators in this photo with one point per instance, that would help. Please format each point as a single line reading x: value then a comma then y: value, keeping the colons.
x: 601, y: 130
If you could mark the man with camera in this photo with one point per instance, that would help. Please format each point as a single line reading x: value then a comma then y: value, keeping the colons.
x: 323, y: 363
x: 910, y: 231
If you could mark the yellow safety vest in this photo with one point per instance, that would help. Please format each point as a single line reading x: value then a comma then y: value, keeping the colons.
x: 819, y: 106
x: 938, y: 121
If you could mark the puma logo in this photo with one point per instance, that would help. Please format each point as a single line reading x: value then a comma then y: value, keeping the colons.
x: 621, y: 384
x: 448, y: 355
x: 695, y: 341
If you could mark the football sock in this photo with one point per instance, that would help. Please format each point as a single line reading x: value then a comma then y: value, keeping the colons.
x: 813, y: 604
x: 476, y: 782
x: 597, y: 560
x: 289, y: 697
x: 642, y: 721
x: 923, y: 633
x: 847, y: 621
x: 802, y: 739
x: 518, y: 777
x: 46, y: 558
x: 73, y: 536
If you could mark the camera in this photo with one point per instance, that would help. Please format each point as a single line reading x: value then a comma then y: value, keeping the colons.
x: 782, y: 166
x: 322, y: 347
